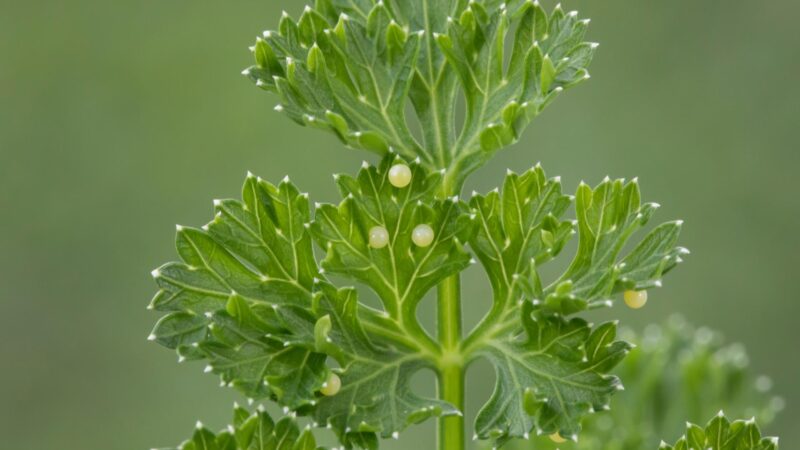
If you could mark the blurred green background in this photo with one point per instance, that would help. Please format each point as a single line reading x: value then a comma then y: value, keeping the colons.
x: 119, y: 119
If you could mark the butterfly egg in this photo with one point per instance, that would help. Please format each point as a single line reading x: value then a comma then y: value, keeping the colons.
x: 332, y: 386
x: 555, y: 437
x: 422, y: 235
x: 635, y: 299
x: 400, y: 175
x: 378, y: 237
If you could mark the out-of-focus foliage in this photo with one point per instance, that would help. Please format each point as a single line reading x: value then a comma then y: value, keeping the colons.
x: 721, y: 434
x: 677, y: 373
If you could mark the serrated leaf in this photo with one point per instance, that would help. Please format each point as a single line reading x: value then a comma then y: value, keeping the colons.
x: 676, y: 372
x: 250, y: 354
x: 250, y: 300
x: 518, y: 227
x: 360, y: 82
x: 179, y: 329
x: 547, y: 382
x: 608, y: 216
x: 720, y: 434
x: 249, y: 297
x: 255, y: 431
x: 401, y: 273
x: 519, y: 230
x: 381, y: 55
x: 378, y: 364
x: 376, y: 394
x: 240, y: 292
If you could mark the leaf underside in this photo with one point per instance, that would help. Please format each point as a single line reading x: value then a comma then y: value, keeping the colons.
x: 552, y: 369
x: 354, y: 68
x: 251, y: 300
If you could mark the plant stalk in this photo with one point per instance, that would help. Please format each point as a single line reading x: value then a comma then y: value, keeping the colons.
x: 451, y: 370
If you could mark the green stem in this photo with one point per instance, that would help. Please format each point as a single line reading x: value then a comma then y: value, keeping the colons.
x: 451, y: 370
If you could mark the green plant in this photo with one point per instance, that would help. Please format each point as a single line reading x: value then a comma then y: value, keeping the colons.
x: 721, y: 434
x: 251, y: 299
x: 675, y: 373
x: 253, y: 431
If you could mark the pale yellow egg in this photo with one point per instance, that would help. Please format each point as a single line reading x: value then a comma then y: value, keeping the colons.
x: 422, y: 235
x: 400, y: 175
x: 378, y: 237
x: 635, y: 299
x: 332, y: 386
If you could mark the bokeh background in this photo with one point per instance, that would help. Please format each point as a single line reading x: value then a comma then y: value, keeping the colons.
x: 119, y: 119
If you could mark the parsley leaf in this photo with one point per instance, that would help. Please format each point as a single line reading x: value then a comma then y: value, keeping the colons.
x: 249, y: 299
x: 550, y: 379
x: 377, y: 364
x: 551, y: 370
x: 351, y: 67
x: 255, y: 431
x: 608, y: 216
x: 722, y: 434
x: 400, y: 273
x: 376, y: 394
x: 244, y: 282
x: 676, y: 371
x: 388, y: 76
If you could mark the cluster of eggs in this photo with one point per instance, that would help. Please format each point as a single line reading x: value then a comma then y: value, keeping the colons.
x: 422, y: 236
